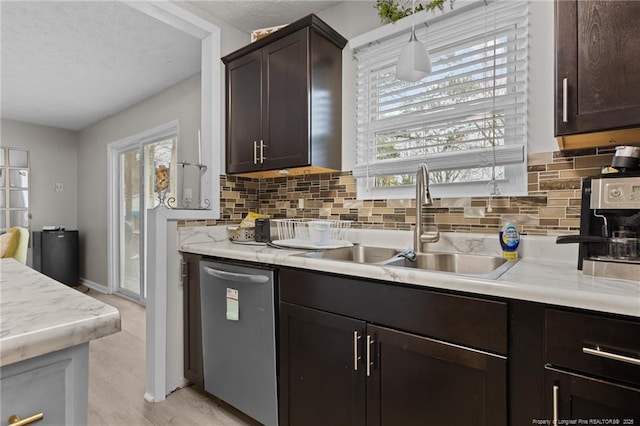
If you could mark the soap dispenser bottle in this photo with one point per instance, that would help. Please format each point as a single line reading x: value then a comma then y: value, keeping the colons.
x: 509, y: 240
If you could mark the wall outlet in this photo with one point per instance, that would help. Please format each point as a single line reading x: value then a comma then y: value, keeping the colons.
x: 58, y: 187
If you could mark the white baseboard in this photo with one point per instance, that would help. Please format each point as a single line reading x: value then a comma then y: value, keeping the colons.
x: 94, y: 286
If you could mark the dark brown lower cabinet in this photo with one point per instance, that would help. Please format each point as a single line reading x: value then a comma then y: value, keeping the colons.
x: 192, y: 323
x: 589, y: 401
x: 331, y: 364
x: 419, y: 381
x: 318, y: 382
x: 592, y: 373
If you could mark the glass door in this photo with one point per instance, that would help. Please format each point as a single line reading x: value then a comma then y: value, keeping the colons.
x: 131, y: 226
x: 140, y: 188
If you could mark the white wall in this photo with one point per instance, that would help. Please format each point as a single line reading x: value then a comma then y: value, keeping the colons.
x: 182, y: 102
x: 54, y: 158
x: 353, y: 18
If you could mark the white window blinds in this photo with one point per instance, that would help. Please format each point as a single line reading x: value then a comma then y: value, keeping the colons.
x: 467, y: 121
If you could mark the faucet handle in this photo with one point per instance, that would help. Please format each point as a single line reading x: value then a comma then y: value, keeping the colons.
x: 431, y: 235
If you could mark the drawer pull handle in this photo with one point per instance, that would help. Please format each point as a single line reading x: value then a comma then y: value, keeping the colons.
x: 15, y: 420
x: 609, y: 355
x: 556, y: 389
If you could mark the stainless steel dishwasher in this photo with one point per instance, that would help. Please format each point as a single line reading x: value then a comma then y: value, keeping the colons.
x: 238, y: 338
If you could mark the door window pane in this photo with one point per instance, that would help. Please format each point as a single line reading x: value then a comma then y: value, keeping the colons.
x: 3, y: 180
x: 18, y: 158
x: 3, y: 203
x: 18, y: 199
x: 19, y: 218
x: 19, y: 178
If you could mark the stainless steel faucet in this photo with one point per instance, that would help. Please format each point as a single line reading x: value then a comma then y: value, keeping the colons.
x: 423, y: 198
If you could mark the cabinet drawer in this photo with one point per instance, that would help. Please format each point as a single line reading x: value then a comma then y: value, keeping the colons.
x: 464, y: 320
x: 593, y: 344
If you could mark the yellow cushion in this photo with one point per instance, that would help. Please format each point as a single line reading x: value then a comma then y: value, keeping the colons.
x: 9, y: 242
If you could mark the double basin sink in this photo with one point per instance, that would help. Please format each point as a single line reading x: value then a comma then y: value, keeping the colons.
x: 480, y: 266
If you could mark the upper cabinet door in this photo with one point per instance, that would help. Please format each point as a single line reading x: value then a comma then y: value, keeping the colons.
x: 244, y: 112
x: 284, y: 101
x: 285, y: 65
x: 597, y: 66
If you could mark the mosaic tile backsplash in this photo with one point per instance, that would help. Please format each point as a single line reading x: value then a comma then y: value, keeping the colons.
x: 552, y: 206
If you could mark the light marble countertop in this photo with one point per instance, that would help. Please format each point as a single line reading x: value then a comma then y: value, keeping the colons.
x: 546, y: 272
x: 39, y: 315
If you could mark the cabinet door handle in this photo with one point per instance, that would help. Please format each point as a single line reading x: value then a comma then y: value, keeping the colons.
x: 255, y: 152
x: 185, y: 266
x: 565, y: 94
x: 15, y: 420
x: 356, y: 358
x: 369, y: 363
x: 609, y: 355
x: 556, y: 390
x: 262, y: 147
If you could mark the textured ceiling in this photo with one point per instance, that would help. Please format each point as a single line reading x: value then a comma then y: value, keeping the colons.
x: 253, y: 15
x: 71, y: 64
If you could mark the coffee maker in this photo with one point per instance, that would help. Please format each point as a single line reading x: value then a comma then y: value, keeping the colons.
x: 609, y: 226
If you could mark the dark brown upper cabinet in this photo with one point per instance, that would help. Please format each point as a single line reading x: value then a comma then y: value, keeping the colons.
x: 284, y: 100
x: 597, y: 81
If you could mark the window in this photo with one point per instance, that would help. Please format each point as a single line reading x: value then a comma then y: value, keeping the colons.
x: 467, y: 120
x: 14, y: 188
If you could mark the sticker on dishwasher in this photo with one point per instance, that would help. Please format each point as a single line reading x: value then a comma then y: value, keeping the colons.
x: 233, y: 307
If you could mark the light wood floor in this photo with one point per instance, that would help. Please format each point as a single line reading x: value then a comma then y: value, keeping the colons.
x: 117, y: 382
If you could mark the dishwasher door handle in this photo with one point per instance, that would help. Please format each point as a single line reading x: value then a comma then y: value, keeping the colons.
x: 234, y: 276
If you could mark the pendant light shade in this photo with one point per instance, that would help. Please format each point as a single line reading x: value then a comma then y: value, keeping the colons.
x: 414, y: 62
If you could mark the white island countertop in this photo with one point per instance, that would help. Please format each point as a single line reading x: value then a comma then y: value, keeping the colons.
x: 39, y: 315
x: 533, y: 278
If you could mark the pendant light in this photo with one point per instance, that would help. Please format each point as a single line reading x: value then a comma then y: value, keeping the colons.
x: 414, y: 62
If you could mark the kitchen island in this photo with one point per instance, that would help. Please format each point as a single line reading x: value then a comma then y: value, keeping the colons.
x: 45, y: 329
